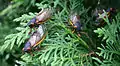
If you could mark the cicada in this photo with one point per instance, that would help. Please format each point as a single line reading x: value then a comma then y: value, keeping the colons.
x: 111, y: 12
x: 76, y: 24
x: 35, y: 39
x: 40, y: 18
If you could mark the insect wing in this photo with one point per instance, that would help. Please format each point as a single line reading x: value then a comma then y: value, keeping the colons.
x: 42, y: 33
x: 44, y: 15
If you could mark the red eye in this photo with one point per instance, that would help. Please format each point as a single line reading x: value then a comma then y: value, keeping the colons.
x: 111, y: 9
x: 104, y: 16
x: 28, y: 48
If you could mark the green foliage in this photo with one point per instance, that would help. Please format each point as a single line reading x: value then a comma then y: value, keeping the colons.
x: 110, y: 34
x: 10, y: 9
x: 15, y: 40
x: 15, y: 5
x: 61, y: 47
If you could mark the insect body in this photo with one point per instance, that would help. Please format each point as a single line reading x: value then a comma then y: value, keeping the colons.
x: 77, y: 26
x: 42, y: 16
x: 74, y: 21
x: 110, y: 13
x: 36, y: 38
